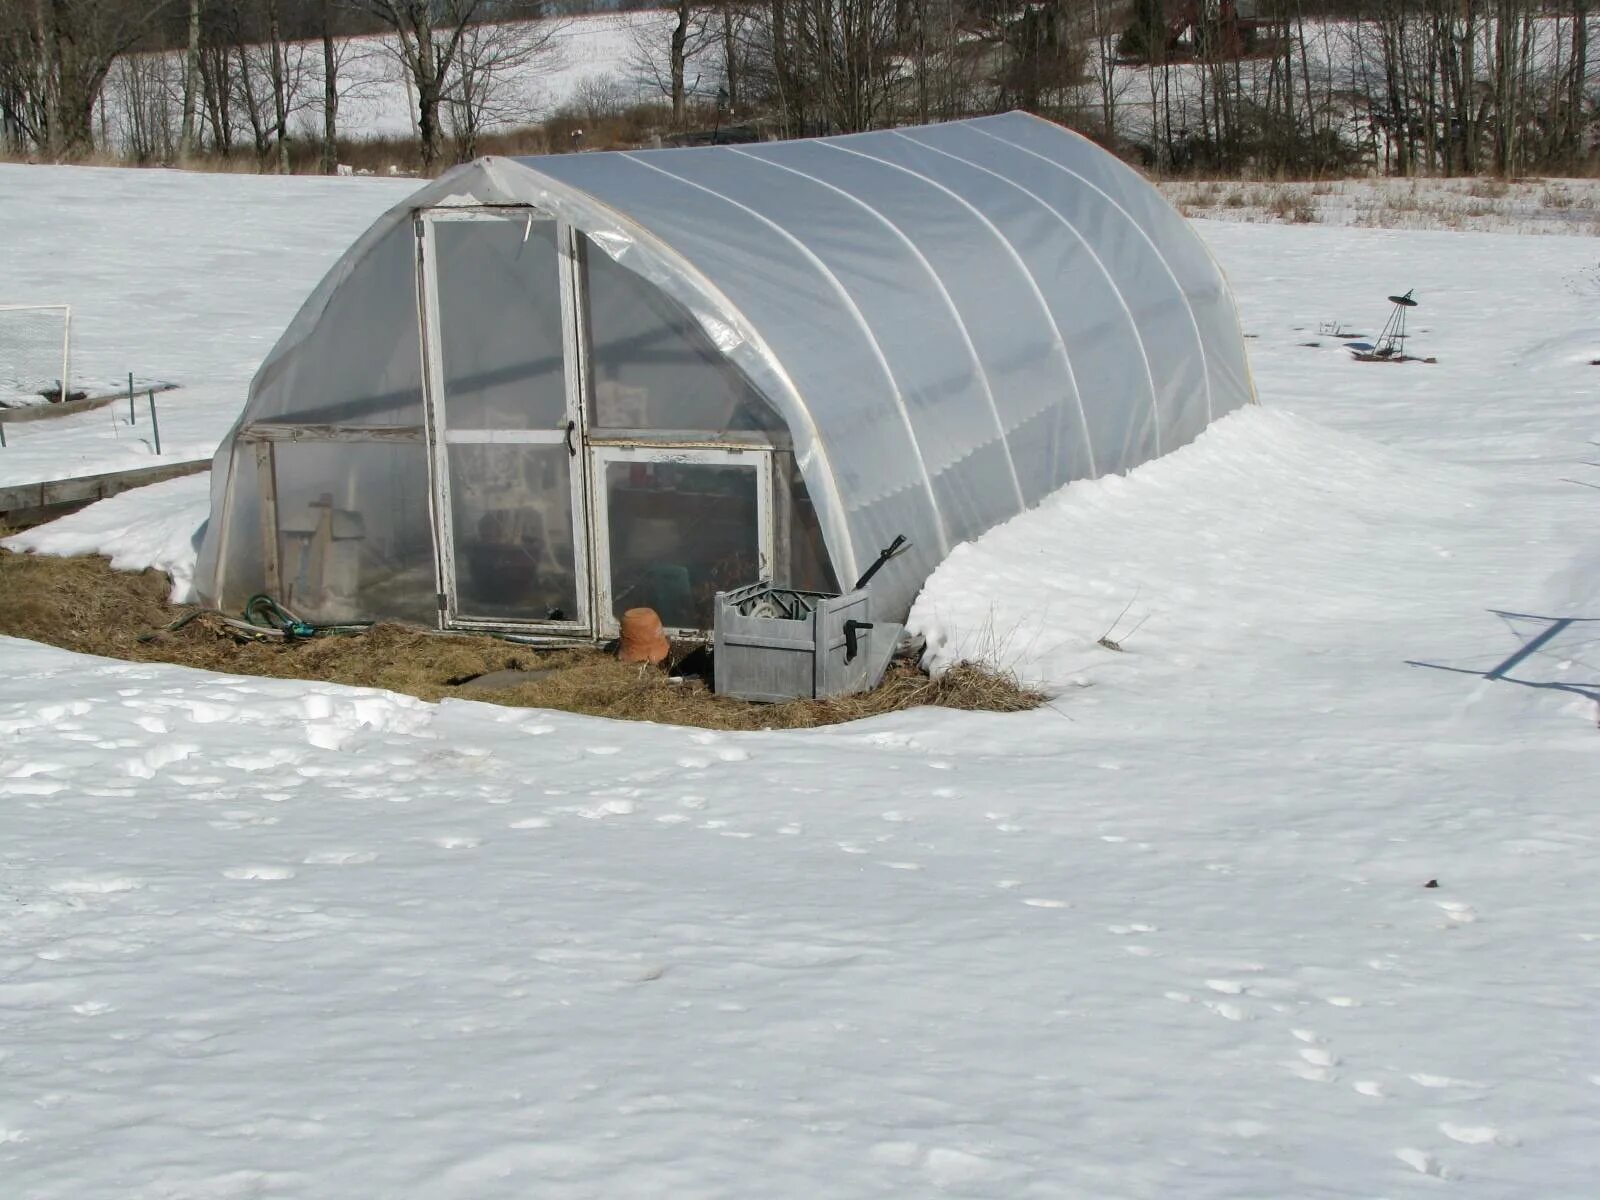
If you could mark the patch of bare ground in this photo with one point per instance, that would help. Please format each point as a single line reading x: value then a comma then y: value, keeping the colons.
x: 82, y: 604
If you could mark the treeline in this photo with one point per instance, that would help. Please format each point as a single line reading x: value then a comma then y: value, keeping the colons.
x: 1403, y: 86
x: 1271, y: 87
x: 243, y: 70
x: 1295, y: 87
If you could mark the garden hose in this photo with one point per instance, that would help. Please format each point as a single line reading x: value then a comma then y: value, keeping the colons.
x: 264, y: 617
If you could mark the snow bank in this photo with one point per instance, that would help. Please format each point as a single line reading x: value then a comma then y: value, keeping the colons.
x: 1266, y: 523
x: 155, y: 526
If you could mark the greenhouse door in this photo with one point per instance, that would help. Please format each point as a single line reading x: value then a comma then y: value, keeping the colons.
x: 503, y: 420
x: 675, y: 525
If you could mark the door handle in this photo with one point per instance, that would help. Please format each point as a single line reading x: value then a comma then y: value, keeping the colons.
x: 572, y: 450
x: 852, y: 645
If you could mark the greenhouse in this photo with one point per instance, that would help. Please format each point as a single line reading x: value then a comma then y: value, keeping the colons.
x: 543, y: 391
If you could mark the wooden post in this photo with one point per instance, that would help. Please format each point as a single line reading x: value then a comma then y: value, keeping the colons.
x: 266, y: 481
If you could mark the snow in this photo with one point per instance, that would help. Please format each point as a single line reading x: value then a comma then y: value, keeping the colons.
x: 1559, y: 206
x: 1168, y: 936
x: 15, y: 393
x: 154, y: 526
x: 172, y: 275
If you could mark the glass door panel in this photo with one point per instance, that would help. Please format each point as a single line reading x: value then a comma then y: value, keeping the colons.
x: 504, y: 419
x: 676, y: 526
x: 512, y: 528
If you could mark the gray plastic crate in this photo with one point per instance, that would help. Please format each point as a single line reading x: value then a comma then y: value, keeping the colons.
x: 778, y: 644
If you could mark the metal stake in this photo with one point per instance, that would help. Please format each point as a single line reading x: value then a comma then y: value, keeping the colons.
x: 155, y: 425
x: 130, y: 398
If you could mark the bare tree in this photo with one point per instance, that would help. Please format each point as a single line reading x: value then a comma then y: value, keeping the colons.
x: 54, y: 59
x: 676, y: 71
x: 490, y: 82
x: 191, y: 83
x: 428, y: 36
x: 330, y: 89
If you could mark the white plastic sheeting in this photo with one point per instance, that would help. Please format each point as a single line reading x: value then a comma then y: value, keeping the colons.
x: 953, y: 320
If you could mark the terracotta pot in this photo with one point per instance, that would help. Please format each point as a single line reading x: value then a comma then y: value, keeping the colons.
x: 643, y: 639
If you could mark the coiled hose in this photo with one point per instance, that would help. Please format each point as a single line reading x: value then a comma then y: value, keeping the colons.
x: 265, y: 617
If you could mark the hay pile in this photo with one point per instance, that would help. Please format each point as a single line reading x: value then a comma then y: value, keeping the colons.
x: 82, y: 604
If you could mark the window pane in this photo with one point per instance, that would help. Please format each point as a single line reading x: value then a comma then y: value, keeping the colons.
x: 500, y: 322
x: 354, y: 541
x: 511, y: 506
x: 652, y: 365
x: 680, y: 533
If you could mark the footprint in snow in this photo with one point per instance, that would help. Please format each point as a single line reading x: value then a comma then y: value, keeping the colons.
x: 339, y: 858
x: 259, y: 873
x: 96, y: 886
x: 951, y: 1168
x: 1476, y: 1135
x: 1442, y: 1081
x: 1421, y: 1161
x: 1310, y: 1072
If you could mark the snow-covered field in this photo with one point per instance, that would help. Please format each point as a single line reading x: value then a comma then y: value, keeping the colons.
x: 1168, y: 937
x: 172, y: 275
x: 1558, y: 206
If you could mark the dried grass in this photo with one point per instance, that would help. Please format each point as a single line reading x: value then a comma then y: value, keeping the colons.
x: 82, y: 604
